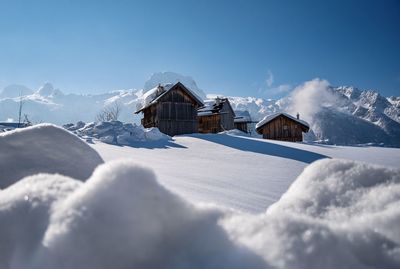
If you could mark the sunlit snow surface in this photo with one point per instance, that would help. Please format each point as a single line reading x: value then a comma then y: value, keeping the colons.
x: 336, y: 214
x: 239, y: 172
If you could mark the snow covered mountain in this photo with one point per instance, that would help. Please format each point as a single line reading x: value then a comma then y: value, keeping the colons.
x: 337, y: 115
x: 171, y: 77
x: 52, y: 105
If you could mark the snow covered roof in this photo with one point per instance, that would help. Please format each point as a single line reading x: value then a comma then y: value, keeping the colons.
x: 269, y: 118
x: 152, y: 96
x: 213, y: 106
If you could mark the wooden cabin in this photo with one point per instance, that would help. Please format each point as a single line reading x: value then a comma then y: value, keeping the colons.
x: 242, y: 120
x: 216, y: 116
x: 282, y: 126
x: 172, y: 108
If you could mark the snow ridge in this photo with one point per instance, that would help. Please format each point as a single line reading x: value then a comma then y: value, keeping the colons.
x: 333, y: 216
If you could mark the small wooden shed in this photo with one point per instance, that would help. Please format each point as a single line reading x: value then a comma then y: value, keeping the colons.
x: 242, y: 120
x: 172, y: 108
x: 216, y: 116
x: 282, y: 126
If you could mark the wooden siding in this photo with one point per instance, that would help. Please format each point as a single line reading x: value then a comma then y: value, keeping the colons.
x: 219, y: 121
x: 282, y: 128
x: 227, y: 117
x: 175, y: 113
x: 210, y: 124
x: 242, y: 126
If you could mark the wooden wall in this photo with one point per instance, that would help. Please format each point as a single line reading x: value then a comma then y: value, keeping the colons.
x: 175, y: 113
x: 210, y: 123
x: 283, y: 128
x: 218, y: 122
x: 242, y: 126
x: 227, y: 117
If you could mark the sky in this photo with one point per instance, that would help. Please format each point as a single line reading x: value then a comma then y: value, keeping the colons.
x: 237, y: 48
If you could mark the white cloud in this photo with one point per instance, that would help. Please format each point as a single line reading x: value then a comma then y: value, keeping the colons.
x: 309, y: 97
x: 269, y: 87
x: 283, y: 88
x: 270, y: 78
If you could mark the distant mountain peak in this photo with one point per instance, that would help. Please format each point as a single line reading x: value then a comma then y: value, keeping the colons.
x: 15, y: 90
x: 47, y: 89
x: 172, y: 77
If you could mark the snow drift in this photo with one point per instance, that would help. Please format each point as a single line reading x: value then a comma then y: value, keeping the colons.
x: 116, y: 132
x: 337, y: 214
x: 44, y: 148
x: 120, y: 218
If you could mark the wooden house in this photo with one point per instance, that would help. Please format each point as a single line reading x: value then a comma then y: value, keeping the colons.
x: 216, y: 116
x: 242, y: 120
x: 172, y: 108
x: 282, y: 126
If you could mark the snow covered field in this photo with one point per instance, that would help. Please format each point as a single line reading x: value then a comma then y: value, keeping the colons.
x: 144, y: 212
x: 244, y: 173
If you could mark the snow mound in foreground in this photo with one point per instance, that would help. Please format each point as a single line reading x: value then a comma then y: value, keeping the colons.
x: 337, y: 214
x: 44, y: 148
x: 116, y: 132
x: 120, y: 218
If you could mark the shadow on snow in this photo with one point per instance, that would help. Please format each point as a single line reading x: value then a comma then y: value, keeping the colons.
x: 262, y: 147
x: 158, y: 144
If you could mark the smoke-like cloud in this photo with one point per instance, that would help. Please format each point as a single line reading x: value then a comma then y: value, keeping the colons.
x: 310, y: 97
x: 270, y: 78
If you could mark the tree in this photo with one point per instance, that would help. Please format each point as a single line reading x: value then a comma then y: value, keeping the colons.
x: 27, y: 122
x: 110, y: 112
x: 21, y: 104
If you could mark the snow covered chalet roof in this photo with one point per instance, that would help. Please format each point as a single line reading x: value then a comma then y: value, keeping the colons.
x: 212, y: 106
x: 152, y: 96
x: 269, y: 118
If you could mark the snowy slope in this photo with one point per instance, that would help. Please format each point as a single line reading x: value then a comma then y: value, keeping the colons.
x: 336, y: 214
x: 238, y: 172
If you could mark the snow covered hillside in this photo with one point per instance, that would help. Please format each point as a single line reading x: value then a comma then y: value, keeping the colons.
x: 239, y: 172
x: 144, y: 211
x: 337, y: 115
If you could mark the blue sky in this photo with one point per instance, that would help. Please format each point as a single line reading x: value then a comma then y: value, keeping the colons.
x: 245, y: 48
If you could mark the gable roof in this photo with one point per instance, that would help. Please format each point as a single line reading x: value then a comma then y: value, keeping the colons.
x: 214, y: 106
x: 152, y: 96
x: 270, y: 118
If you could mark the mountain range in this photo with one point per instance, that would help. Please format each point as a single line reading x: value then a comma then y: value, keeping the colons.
x: 337, y: 115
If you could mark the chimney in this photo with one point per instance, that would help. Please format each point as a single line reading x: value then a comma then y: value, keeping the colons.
x: 217, y: 101
x: 160, y: 89
x: 298, y: 115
